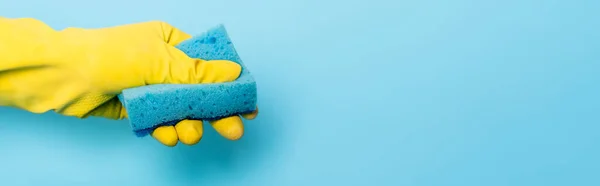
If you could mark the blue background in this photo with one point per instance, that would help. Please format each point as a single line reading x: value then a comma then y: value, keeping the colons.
x: 420, y: 93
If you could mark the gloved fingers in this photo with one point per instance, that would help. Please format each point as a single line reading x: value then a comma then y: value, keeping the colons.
x: 189, y: 132
x: 231, y: 128
x: 167, y: 135
x: 252, y: 115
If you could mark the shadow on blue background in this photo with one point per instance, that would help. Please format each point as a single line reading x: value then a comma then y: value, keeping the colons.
x: 420, y: 93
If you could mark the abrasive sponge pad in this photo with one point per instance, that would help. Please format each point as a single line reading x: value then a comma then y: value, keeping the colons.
x: 152, y: 106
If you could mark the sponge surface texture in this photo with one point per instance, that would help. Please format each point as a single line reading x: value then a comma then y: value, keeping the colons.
x: 152, y: 106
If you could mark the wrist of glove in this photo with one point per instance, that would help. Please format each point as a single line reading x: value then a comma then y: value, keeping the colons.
x: 78, y: 72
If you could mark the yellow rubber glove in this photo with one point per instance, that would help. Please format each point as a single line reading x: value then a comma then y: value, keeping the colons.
x: 78, y: 72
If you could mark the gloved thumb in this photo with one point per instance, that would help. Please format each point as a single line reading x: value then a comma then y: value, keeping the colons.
x: 181, y: 69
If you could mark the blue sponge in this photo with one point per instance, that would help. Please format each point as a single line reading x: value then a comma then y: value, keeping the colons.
x: 152, y: 106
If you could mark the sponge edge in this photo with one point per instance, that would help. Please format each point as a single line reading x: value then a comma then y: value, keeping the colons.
x: 149, y: 107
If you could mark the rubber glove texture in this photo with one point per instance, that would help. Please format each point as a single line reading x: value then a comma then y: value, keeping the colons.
x: 79, y: 72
